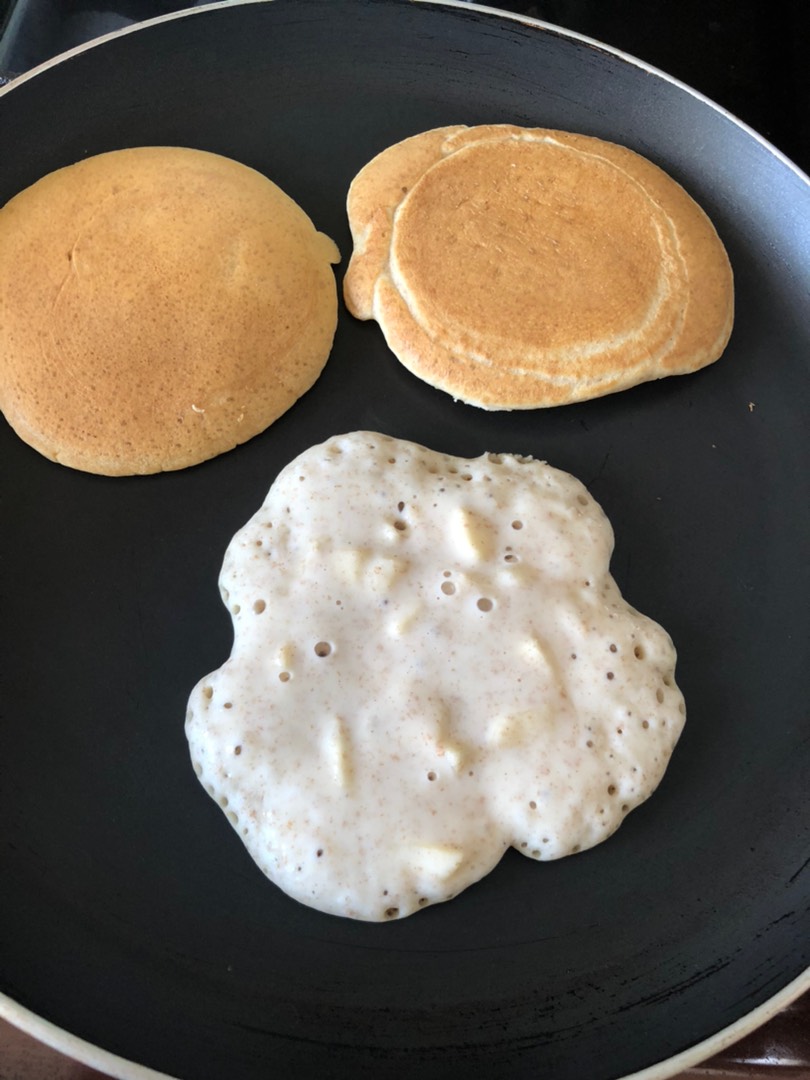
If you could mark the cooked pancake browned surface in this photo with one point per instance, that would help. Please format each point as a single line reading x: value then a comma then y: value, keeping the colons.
x: 519, y: 268
x: 158, y: 306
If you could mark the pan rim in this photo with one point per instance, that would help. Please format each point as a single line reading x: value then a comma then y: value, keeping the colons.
x: 63, y: 1041
x: 96, y: 1057
x: 465, y: 5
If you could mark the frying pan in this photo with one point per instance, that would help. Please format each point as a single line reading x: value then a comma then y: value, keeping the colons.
x: 130, y: 915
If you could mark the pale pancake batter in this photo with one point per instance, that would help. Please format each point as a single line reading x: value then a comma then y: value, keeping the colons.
x: 431, y: 663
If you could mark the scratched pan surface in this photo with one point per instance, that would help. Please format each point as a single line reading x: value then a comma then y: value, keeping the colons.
x: 130, y: 916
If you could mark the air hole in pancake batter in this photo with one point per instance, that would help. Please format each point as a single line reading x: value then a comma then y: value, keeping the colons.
x: 323, y: 648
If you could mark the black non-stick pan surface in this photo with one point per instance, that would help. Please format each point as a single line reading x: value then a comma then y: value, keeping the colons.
x: 130, y: 915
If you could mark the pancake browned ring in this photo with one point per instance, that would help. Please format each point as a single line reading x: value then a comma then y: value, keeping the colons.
x: 519, y: 268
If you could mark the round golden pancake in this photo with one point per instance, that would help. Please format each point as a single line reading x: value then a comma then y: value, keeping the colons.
x: 158, y: 306
x: 520, y: 268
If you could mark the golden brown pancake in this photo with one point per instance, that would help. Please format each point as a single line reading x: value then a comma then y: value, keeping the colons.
x: 518, y: 268
x: 158, y: 306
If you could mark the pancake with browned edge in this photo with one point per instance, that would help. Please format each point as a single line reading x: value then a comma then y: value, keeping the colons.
x: 158, y: 306
x: 517, y: 268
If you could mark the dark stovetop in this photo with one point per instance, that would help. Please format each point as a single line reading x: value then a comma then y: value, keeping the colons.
x: 747, y: 55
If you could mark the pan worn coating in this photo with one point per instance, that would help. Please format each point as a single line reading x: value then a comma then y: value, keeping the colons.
x: 130, y: 915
